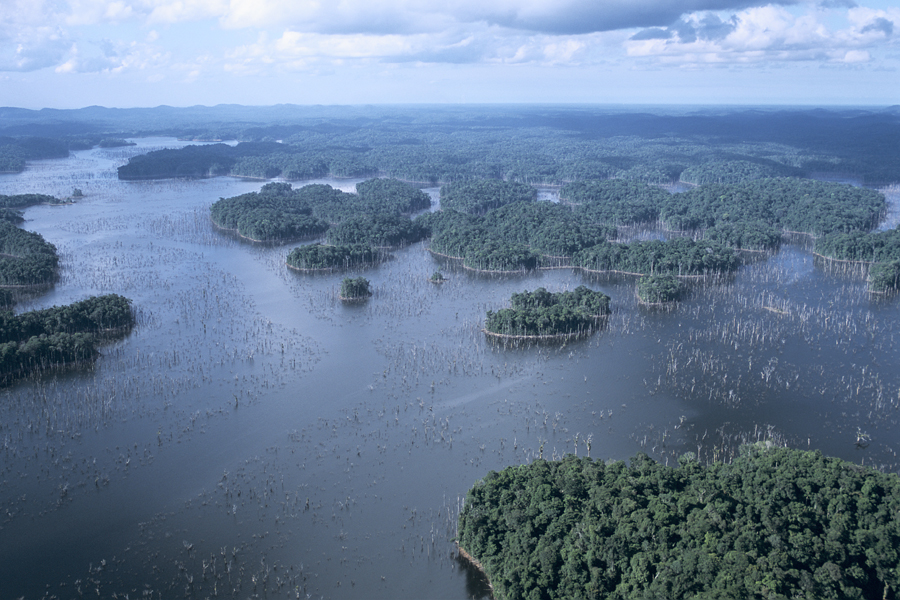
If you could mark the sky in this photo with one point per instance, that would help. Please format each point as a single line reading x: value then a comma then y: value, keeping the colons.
x: 133, y: 53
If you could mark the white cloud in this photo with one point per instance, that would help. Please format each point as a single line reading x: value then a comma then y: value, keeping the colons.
x: 769, y: 33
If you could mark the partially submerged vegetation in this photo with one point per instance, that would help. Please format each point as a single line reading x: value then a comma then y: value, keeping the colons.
x: 542, y: 314
x: 659, y: 289
x: 355, y: 289
x: 775, y: 523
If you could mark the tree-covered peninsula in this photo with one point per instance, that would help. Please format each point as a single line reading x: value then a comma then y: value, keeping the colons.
x: 481, y: 195
x: 775, y: 523
x: 278, y: 212
x: 542, y: 314
x: 880, y: 248
x: 25, y: 257
x: 322, y: 257
x: 682, y: 257
x: 54, y: 337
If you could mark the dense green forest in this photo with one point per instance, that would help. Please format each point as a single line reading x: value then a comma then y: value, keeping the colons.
x: 659, y: 289
x: 801, y: 205
x: 882, y: 248
x: 481, y: 195
x: 357, y: 288
x: 380, y: 230
x: 544, y: 314
x: 535, y: 145
x: 681, y: 257
x: 615, y: 201
x: 775, y: 523
x: 61, y: 335
x: 321, y: 257
x: 884, y: 277
x: 25, y: 257
x: 278, y: 212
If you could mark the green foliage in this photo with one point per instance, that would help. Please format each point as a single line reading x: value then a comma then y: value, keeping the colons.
x: 802, y: 205
x: 381, y: 230
x: 25, y: 257
x: 392, y: 195
x: 316, y: 257
x: 275, y: 213
x: 879, y: 246
x: 615, y: 201
x: 60, y: 335
x: 355, y: 289
x: 736, y: 171
x: 480, y: 196
x: 437, y: 277
x: 11, y: 216
x: 656, y: 289
x: 884, y: 277
x: 679, y: 256
x: 776, y: 523
x: 744, y: 235
x: 542, y: 313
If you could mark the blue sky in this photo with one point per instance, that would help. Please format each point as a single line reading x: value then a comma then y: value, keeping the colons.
x: 124, y: 53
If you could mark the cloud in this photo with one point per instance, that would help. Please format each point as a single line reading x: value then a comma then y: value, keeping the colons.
x: 765, y: 34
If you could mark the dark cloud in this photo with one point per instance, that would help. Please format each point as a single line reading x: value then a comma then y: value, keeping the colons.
x: 588, y: 16
x: 880, y: 24
x: 709, y: 28
x: 654, y: 33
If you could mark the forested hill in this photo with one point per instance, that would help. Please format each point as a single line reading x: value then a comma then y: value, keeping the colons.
x: 775, y: 523
x: 550, y: 145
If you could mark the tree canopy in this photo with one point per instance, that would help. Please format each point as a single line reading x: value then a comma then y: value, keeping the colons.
x: 543, y: 314
x: 775, y: 523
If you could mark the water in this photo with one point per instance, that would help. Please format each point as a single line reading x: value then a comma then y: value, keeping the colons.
x: 255, y: 436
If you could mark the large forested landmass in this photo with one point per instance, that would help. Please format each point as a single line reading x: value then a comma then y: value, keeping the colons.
x: 615, y: 201
x: 659, y: 289
x: 53, y: 337
x: 682, y: 257
x: 321, y: 257
x: 25, y: 257
x: 798, y: 205
x: 775, y: 523
x: 542, y: 314
x: 278, y: 212
x: 481, y: 195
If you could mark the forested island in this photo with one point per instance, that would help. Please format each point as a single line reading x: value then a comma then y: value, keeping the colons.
x: 542, y: 314
x: 774, y: 523
x: 659, y: 289
x: 278, y: 212
x: 54, y: 337
x: 322, y: 257
x: 353, y: 289
x: 881, y: 249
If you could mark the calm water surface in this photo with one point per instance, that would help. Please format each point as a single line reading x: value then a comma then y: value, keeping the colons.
x: 255, y: 437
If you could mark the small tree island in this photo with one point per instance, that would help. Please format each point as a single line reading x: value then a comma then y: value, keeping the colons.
x: 542, y: 314
x: 322, y: 257
x: 659, y: 289
x: 355, y: 289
